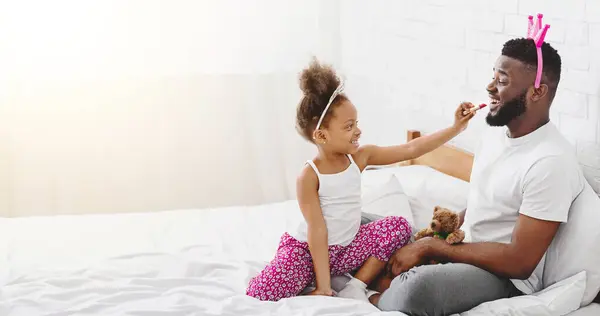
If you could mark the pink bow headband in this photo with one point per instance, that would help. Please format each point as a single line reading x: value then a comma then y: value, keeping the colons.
x: 537, y: 34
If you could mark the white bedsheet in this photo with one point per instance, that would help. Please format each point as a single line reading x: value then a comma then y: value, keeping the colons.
x: 188, y: 262
x: 590, y: 310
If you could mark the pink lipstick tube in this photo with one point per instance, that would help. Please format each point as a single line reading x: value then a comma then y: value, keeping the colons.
x: 475, y: 109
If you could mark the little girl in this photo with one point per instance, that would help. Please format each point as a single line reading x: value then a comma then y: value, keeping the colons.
x: 331, y: 241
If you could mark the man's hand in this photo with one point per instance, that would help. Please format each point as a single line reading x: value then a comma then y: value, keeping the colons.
x: 515, y: 260
x: 408, y: 257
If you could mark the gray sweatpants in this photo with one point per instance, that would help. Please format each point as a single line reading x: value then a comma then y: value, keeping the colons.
x: 442, y: 289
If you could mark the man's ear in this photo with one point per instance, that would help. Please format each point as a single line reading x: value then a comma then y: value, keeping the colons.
x: 539, y: 93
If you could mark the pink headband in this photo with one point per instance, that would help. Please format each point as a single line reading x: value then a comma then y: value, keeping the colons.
x: 537, y: 34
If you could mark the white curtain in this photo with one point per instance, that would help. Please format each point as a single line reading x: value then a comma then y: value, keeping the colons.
x: 147, y: 105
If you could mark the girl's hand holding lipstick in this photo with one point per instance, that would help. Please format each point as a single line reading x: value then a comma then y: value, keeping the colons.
x: 474, y: 109
x: 464, y: 113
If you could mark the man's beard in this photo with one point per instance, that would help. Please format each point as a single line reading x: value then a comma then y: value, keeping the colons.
x: 509, y: 111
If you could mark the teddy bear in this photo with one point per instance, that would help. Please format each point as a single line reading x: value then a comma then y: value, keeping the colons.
x: 444, y: 225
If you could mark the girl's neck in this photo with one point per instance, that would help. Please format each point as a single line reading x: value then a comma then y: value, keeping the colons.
x: 326, y: 155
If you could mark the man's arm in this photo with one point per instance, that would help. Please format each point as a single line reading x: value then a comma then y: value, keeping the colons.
x: 547, y: 197
x: 516, y: 260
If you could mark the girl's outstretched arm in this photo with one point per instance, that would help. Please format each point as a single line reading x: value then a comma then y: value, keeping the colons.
x: 308, y: 199
x: 377, y: 155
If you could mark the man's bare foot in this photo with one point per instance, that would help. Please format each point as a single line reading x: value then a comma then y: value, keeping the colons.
x: 382, y: 283
x: 374, y: 299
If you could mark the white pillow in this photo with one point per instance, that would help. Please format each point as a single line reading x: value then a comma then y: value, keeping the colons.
x: 575, y: 247
x: 425, y: 188
x: 559, y: 299
x: 387, y: 199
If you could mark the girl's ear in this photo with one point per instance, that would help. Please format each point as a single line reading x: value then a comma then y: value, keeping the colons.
x: 320, y: 137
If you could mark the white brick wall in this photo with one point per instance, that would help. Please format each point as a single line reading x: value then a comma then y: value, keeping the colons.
x: 410, y: 62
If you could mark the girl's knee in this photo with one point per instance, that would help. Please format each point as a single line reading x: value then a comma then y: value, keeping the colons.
x: 396, y: 227
x: 273, y: 285
x: 262, y: 290
x: 397, y: 222
x: 256, y: 286
x: 393, y: 232
x: 262, y: 286
x: 253, y: 289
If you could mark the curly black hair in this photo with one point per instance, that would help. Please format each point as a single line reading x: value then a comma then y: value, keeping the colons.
x: 524, y: 50
x: 317, y: 82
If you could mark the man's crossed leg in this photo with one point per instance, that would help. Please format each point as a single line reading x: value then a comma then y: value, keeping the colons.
x: 444, y: 289
x: 440, y: 289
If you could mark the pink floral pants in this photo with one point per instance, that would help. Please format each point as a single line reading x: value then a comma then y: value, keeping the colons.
x: 292, y: 268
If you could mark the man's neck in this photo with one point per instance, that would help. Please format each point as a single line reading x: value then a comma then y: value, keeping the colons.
x: 522, y: 126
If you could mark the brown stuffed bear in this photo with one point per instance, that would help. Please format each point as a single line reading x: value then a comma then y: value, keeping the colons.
x: 444, y: 226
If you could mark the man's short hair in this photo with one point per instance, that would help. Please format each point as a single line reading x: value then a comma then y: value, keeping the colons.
x: 524, y: 50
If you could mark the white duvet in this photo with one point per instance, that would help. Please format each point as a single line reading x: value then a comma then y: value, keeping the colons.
x: 190, y: 262
x: 186, y: 262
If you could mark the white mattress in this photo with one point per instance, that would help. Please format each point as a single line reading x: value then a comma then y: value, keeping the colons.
x: 186, y: 262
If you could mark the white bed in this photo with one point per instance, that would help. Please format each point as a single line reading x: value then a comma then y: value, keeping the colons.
x: 189, y: 262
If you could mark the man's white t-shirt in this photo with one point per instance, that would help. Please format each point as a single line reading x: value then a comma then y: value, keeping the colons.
x: 536, y: 175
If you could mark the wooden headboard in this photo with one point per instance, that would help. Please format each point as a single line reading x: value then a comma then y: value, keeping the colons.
x: 447, y: 159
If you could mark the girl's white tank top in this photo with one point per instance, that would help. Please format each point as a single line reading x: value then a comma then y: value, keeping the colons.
x: 341, y: 203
